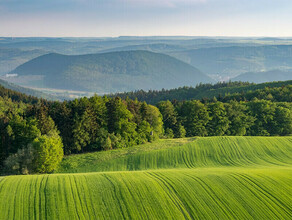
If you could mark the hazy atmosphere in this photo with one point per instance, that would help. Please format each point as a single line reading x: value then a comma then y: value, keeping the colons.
x: 96, y: 18
x: 145, y: 109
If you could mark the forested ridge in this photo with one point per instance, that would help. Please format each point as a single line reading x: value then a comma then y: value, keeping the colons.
x: 113, y: 71
x: 222, y: 91
x: 35, y: 134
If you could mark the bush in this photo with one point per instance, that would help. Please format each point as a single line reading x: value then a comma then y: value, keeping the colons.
x: 21, y: 162
x: 169, y: 133
x: 48, y: 152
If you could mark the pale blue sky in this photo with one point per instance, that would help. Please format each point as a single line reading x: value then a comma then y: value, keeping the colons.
x: 96, y: 18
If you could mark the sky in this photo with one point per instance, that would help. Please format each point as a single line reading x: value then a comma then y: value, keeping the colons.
x: 112, y: 18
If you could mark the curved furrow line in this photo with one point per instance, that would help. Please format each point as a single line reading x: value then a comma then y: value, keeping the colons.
x: 76, y: 199
x: 217, y: 200
x: 119, y: 197
x: 192, y: 203
x: 89, y: 196
x: 130, y: 186
x: 262, y: 202
x: 171, y: 192
x: 102, y: 195
x: 60, y: 182
x: 82, y: 199
x: 16, y: 197
x: 275, y: 200
x: 86, y: 195
x: 39, y: 197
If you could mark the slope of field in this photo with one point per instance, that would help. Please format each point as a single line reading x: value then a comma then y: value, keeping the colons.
x: 202, y: 152
x: 110, y: 72
x: 226, y: 178
x: 170, y: 194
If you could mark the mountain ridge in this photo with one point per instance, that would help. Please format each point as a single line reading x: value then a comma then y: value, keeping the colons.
x: 112, y: 71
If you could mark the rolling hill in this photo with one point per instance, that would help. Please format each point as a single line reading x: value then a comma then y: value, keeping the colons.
x: 201, y: 178
x: 187, y: 153
x: 155, y: 47
x: 10, y: 58
x: 261, y: 77
x: 109, y: 72
x: 228, y: 62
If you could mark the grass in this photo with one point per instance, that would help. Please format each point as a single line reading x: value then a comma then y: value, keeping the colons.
x: 202, y: 178
x: 187, y: 153
x: 210, y: 193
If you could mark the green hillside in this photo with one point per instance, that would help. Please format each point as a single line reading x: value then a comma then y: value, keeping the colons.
x: 110, y: 72
x: 169, y: 194
x: 214, y: 178
x: 187, y: 153
x: 261, y: 77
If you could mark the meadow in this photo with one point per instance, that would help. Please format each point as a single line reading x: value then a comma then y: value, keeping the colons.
x: 198, y: 178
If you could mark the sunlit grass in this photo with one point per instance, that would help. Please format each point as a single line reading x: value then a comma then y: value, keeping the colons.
x: 187, y: 153
x: 202, y: 178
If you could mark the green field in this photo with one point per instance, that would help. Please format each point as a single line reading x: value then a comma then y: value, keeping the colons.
x: 199, y: 178
x: 187, y: 153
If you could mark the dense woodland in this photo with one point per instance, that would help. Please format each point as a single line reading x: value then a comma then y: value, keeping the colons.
x: 35, y: 134
x: 222, y: 91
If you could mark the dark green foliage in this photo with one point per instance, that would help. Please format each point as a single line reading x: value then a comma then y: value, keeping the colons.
x: 256, y: 118
x: 16, y: 95
x: 97, y: 123
x: 219, y: 123
x: 223, y: 91
x: 282, y: 124
x: 169, y: 118
x: 22, y: 162
x: 194, y: 116
x: 239, y: 118
x: 169, y: 133
x: 180, y: 131
x: 277, y: 94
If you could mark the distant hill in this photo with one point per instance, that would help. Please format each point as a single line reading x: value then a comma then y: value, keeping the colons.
x: 238, y: 90
x: 109, y: 72
x: 228, y: 62
x: 14, y: 91
x: 261, y: 77
x: 155, y: 47
x: 10, y: 58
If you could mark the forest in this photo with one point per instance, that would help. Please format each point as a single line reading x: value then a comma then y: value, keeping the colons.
x: 222, y: 91
x: 36, y: 134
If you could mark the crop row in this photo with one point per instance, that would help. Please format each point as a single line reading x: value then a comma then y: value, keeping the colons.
x: 202, y: 152
x: 205, y: 193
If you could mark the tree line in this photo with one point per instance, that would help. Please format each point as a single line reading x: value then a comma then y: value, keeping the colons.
x: 35, y: 137
x: 223, y: 91
x: 215, y: 118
